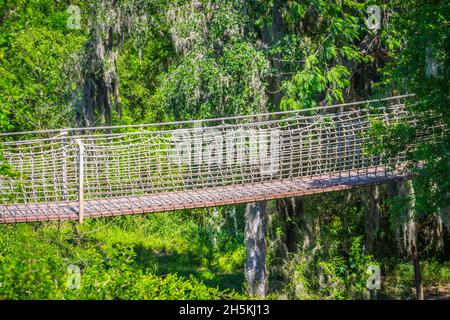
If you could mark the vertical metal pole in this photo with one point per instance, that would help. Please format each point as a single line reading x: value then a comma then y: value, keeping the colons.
x: 65, y: 194
x: 79, y: 142
x: 339, y: 145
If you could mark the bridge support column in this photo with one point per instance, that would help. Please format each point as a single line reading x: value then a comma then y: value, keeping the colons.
x: 372, y: 210
x: 255, y: 241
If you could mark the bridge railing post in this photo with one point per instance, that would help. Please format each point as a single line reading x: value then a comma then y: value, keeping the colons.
x: 80, y: 145
x: 65, y: 187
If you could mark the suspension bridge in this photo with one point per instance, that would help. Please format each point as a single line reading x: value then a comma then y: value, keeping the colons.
x: 79, y: 173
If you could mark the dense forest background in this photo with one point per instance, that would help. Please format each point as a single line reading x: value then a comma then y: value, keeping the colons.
x: 92, y: 63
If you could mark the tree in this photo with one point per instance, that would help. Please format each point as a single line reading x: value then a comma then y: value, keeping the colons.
x: 38, y: 66
x: 219, y: 70
x: 420, y: 64
x: 255, y: 240
x: 111, y: 23
x: 422, y: 67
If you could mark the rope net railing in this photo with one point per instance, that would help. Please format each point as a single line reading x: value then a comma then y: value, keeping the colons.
x: 65, y: 174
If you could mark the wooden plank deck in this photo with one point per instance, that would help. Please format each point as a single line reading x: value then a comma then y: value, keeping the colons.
x: 191, y: 199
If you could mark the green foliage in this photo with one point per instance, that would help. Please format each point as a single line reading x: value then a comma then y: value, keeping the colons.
x: 420, y: 29
x: 330, y: 261
x: 37, y: 66
x: 5, y: 168
x: 320, y: 54
x: 332, y: 275
x: 139, y: 70
x: 161, y: 258
x: 400, y: 278
x: 388, y: 141
x: 219, y: 70
x: 7, y: 172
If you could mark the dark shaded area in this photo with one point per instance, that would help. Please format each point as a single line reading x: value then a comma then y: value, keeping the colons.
x: 163, y: 263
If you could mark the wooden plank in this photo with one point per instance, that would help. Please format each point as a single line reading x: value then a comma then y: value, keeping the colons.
x: 189, y: 199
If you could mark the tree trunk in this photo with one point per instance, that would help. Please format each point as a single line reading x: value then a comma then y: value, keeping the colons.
x: 255, y: 241
x: 270, y: 35
x: 417, y: 274
x: 291, y: 212
x: 406, y: 189
x: 276, y: 32
x: 100, y: 78
x: 445, y: 215
x: 372, y: 216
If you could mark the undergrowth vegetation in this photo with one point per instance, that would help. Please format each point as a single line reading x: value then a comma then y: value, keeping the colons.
x: 183, y: 256
x: 147, y: 257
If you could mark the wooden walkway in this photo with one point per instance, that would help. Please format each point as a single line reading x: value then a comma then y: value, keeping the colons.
x: 81, y: 173
x: 202, y: 198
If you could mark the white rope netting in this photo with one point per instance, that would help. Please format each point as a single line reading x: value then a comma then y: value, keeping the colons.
x: 241, y: 151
